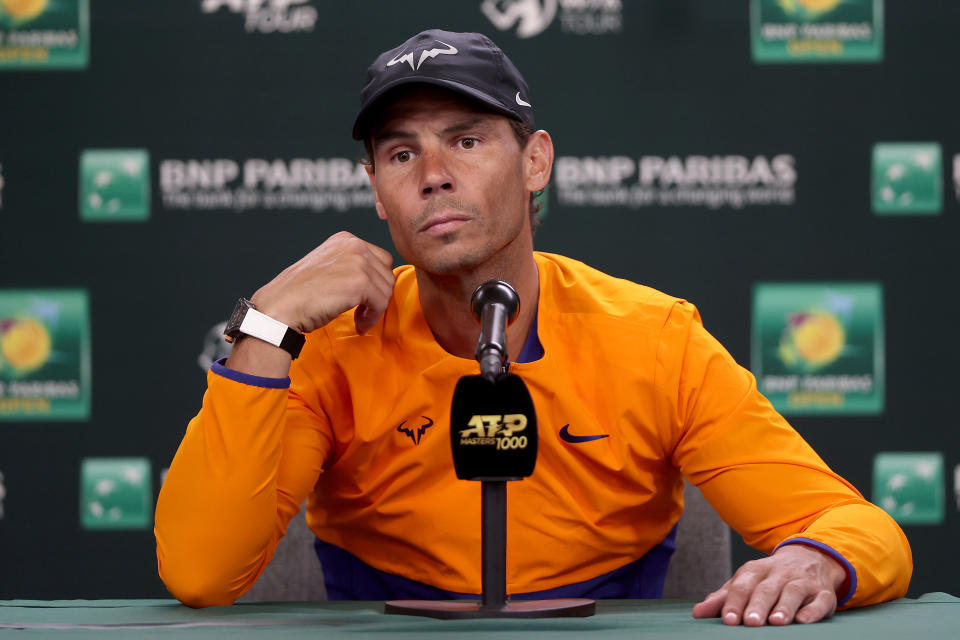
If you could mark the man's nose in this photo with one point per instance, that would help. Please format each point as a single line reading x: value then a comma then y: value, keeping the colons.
x: 435, y: 177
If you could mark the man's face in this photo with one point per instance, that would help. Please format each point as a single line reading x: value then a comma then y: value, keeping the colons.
x: 449, y: 181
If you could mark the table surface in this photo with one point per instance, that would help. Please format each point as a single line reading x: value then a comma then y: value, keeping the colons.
x: 934, y: 615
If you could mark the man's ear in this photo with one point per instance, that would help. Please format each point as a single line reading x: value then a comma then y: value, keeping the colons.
x: 372, y: 176
x: 537, y: 160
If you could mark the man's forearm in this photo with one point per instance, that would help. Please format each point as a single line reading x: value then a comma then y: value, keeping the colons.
x: 216, y: 515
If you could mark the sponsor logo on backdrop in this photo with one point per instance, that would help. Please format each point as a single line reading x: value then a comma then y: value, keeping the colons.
x: 818, y: 348
x: 214, y: 346
x: 909, y: 486
x: 817, y: 30
x: 528, y: 18
x: 268, y: 16
x: 714, y: 182
x: 320, y: 184
x: 44, y: 355
x: 44, y: 34
x: 3, y: 493
x: 907, y: 178
x: 114, y: 185
x: 115, y: 493
x: 956, y: 176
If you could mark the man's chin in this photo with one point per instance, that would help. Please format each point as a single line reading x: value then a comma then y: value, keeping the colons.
x: 452, y: 261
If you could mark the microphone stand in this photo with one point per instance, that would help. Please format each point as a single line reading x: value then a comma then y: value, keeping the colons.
x: 493, y: 393
x: 491, y: 353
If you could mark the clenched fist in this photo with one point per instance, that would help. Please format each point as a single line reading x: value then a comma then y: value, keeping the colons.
x: 342, y: 273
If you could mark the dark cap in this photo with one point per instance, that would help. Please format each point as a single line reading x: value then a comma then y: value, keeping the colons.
x: 468, y: 63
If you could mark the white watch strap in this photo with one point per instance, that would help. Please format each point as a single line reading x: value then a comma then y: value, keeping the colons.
x: 262, y: 326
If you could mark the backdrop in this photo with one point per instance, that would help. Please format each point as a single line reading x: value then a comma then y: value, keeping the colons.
x: 790, y: 166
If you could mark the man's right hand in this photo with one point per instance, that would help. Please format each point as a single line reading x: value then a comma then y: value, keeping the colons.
x: 342, y: 273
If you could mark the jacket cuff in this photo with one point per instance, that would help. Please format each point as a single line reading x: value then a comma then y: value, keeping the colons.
x: 220, y: 369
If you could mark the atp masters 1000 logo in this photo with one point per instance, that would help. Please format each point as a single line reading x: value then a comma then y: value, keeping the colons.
x: 44, y: 355
x: 52, y: 34
x: 817, y: 30
x: 818, y: 348
x: 501, y: 431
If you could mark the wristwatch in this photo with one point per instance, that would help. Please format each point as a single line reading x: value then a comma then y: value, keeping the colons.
x: 248, y: 321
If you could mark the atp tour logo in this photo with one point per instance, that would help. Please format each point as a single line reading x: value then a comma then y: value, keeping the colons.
x: 224, y: 184
x: 956, y: 486
x: 214, y: 347
x: 496, y: 430
x: 713, y: 182
x: 956, y: 177
x: 269, y: 16
x: 530, y: 18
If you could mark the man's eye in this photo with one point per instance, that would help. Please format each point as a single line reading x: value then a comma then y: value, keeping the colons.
x: 468, y: 143
x: 402, y: 156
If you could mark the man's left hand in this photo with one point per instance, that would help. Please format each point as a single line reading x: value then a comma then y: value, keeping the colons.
x: 797, y: 583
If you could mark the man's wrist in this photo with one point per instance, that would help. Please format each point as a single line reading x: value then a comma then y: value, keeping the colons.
x: 838, y: 573
x: 277, y: 311
x: 258, y: 358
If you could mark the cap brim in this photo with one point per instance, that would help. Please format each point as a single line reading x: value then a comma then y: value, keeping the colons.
x: 360, y: 124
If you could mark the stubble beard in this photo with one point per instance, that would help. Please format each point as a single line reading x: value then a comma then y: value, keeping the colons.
x: 440, y: 255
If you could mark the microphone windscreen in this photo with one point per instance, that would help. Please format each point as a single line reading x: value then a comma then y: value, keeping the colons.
x: 493, y: 428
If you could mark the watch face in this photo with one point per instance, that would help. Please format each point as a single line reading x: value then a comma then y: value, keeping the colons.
x: 232, y: 330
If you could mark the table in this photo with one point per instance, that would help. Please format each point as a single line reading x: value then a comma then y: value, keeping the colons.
x: 934, y: 615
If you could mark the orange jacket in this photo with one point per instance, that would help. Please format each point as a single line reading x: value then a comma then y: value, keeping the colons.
x: 620, y: 359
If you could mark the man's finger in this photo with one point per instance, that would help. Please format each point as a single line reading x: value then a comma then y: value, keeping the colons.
x: 765, y: 595
x: 739, y: 592
x: 383, y: 256
x: 793, y: 596
x: 711, y: 605
x: 364, y: 318
x: 821, y: 607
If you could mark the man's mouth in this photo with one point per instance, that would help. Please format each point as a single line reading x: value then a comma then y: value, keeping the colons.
x: 444, y: 223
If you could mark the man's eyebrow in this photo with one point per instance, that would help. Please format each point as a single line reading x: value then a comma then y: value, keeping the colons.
x: 400, y: 134
x: 475, y: 123
x: 392, y: 134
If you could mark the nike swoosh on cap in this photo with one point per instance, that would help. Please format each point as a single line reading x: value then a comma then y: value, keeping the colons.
x: 566, y: 436
x: 521, y: 101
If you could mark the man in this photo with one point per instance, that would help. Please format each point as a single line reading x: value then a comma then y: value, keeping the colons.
x: 448, y: 125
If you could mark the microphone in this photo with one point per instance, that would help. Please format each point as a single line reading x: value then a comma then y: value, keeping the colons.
x: 493, y: 424
x: 495, y: 305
